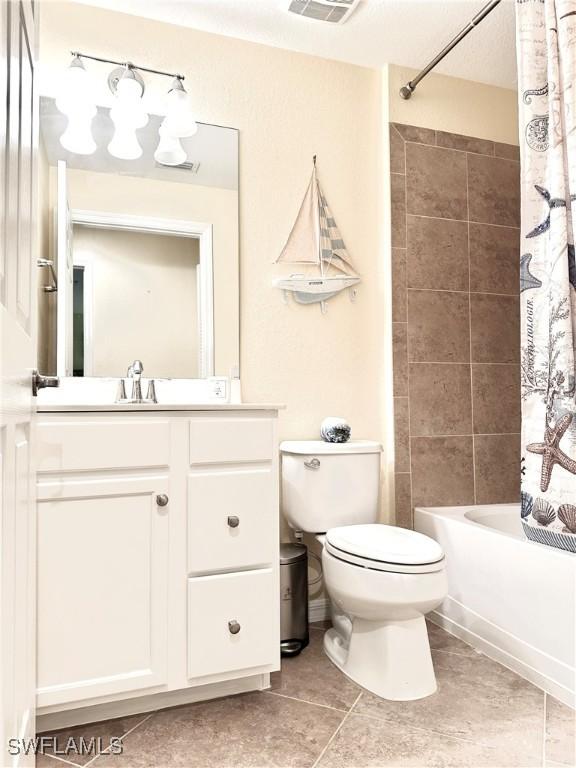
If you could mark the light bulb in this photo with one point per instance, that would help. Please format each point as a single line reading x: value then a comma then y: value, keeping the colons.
x: 128, y: 108
x: 125, y: 144
x: 179, y: 122
x: 169, y: 150
x: 75, y: 90
x: 76, y: 100
x: 77, y: 137
x: 127, y: 114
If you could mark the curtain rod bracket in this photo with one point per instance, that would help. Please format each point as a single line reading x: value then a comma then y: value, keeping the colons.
x: 406, y: 91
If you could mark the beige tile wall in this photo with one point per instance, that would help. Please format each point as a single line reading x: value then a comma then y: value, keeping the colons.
x: 455, y: 254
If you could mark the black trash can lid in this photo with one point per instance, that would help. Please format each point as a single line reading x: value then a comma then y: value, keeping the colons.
x: 291, y: 553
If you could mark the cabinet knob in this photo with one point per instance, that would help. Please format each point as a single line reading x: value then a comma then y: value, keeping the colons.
x: 161, y: 499
x: 233, y: 521
x: 234, y: 627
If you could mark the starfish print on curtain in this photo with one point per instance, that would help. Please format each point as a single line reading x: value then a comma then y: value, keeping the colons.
x: 550, y: 450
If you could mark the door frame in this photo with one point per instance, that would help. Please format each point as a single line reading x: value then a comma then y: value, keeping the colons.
x: 202, y: 232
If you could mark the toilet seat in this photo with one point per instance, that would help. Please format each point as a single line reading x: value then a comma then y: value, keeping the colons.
x: 385, y: 548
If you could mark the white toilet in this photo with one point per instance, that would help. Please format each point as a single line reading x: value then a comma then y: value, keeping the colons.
x: 381, y: 579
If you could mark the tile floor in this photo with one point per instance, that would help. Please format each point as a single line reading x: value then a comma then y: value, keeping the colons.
x: 483, y: 716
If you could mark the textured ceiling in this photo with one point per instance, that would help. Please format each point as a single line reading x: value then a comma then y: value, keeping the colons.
x: 379, y: 32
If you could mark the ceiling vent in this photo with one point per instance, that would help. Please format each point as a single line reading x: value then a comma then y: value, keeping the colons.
x: 333, y: 11
x: 187, y: 166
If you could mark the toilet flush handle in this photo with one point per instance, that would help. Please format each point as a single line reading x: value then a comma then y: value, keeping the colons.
x: 312, y: 463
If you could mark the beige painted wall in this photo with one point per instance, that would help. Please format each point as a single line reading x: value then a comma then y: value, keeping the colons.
x: 143, y: 301
x: 458, y: 106
x: 287, y: 106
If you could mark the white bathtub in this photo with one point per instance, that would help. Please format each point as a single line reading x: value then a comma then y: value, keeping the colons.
x: 512, y: 599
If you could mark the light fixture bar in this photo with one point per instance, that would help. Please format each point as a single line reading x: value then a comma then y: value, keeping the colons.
x: 128, y: 64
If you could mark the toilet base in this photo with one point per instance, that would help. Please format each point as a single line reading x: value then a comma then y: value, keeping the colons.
x: 391, y: 659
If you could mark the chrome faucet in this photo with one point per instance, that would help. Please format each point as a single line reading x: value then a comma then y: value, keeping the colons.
x: 135, y: 372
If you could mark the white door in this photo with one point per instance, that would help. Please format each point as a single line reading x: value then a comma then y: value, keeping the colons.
x: 64, y: 251
x: 18, y: 137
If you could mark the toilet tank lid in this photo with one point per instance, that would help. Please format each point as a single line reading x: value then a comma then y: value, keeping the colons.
x: 312, y: 447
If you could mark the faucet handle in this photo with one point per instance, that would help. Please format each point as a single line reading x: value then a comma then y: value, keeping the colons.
x: 121, y: 391
x: 137, y: 367
x: 151, y: 393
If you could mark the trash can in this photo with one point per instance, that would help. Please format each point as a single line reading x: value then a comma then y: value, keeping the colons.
x: 293, y: 598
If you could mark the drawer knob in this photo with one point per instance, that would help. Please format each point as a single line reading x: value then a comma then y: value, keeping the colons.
x: 233, y: 521
x: 234, y: 627
x: 161, y: 499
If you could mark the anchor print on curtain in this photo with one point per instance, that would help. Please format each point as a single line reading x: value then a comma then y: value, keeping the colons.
x: 546, y: 43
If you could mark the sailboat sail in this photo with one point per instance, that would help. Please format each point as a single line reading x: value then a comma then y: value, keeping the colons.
x: 302, y: 244
x: 332, y: 248
x: 316, y: 239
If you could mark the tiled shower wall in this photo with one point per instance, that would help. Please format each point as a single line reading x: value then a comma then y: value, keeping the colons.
x: 455, y: 241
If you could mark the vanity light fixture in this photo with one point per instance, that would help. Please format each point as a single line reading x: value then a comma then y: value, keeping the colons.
x: 179, y: 121
x: 74, y: 100
x: 128, y: 113
x: 169, y: 150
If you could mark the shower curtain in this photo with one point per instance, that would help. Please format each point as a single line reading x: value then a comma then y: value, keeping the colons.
x: 546, y: 50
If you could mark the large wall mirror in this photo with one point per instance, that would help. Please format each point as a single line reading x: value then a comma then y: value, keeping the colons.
x: 138, y: 260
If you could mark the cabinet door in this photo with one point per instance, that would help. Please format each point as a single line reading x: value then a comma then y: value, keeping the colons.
x: 102, y: 587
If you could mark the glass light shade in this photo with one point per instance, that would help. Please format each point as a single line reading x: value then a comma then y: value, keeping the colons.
x: 75, y: 90
x: 125, y: 144
x: 169, y: 150
x: 77, y: 137
x: 179, y: 122
x: 128, y: 108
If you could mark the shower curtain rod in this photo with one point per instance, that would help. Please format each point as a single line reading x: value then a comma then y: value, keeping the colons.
x: 407, y: 90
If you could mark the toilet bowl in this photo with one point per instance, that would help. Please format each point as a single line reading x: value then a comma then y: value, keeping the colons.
x: 381, y: 579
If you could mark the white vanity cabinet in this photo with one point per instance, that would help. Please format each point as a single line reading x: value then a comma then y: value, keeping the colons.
x: 157, y: 558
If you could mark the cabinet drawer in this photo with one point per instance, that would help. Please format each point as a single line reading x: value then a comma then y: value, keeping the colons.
x: 214, y: 604
x: 216, y: 440
x: 104, y: 443
x: 231, y: 519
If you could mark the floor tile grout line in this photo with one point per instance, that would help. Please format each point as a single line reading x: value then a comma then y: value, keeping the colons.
x: 61, y: 760
x: 306, y: 701
x: 336, y: 732
x: 544, y: 729
x: 128, y: 732
x: 425, y: 730
x: 458, y: 653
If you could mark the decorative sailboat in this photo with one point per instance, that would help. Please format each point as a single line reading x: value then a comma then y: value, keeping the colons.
x: 315, y: 239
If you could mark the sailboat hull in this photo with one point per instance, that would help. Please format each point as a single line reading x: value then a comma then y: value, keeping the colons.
x: 308, y: 290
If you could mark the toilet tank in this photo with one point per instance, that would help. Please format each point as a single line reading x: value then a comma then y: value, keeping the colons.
x: 329, y: 484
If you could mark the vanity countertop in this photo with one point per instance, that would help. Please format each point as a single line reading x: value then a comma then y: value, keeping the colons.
x: 100, y: 407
